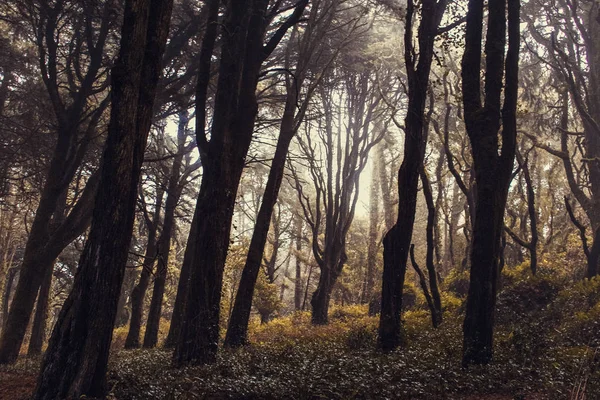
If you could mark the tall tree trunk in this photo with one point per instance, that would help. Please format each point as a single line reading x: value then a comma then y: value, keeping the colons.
x: 199, y: 335
x: 76, y: 361
x: 223, y: 160
x: 397, y: 241
x: 206, y: 52
x: 493, y: 170
x: 164, y: 244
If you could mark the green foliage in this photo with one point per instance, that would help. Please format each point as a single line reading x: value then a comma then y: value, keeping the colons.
x: 457, y: 282
x: 266, y: 296
x: 290, y: 358
x: 546, y: 335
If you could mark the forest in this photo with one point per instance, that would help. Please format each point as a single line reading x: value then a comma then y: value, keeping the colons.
x: 300, y: 199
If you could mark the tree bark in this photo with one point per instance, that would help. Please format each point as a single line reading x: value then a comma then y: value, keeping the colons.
x: 397, y: 241
x: 76, y: 361
x: 493, y: 171
x: 223, y: 160
x: 206, y: 52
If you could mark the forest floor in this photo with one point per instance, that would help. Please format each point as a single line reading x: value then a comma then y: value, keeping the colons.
x: 546, y: 347
x: 289, y: 359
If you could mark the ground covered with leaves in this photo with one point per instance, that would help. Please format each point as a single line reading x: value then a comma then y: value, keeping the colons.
x: 546, y: 341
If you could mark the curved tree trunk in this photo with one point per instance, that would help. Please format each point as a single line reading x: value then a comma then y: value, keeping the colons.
x: 397, y: 241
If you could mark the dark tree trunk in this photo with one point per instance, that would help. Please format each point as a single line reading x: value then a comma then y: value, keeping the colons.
x: 206, y: 52
x: 38, y: 330
x: 223, y: 164
x: 182, y: 286
x: 237, y: 330
x: 164, y: 244
x: 139, y: 291
x: 436, y: 310
x: 493, y: 171
x: 397, y: 241
x: 321, y: 297
x: 76, y: 361
x: 223, y: 160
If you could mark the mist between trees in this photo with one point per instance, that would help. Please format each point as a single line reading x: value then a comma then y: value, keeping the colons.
x: 277, y: 183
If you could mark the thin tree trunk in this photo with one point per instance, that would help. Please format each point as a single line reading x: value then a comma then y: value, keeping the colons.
x: 164, y: 243
x: 139, y: 291
x: 38, y: 331
x: 298, y: 278
x: 429, y: 261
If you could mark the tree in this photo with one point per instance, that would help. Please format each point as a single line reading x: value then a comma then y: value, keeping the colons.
x: 492, y: 159
x: 573, y: 54
x: 223, y: 160
x: 335, y: 161
x: 202, y: 84
x: 398, y: 239
x: 77, y: 61
x: 139, y: 291
x: 309, y: 57
x: 76, y: 360
x: 174, y: 189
